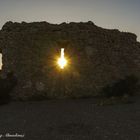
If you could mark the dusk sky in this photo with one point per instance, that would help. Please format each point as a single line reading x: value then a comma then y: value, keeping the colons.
x: 120, y: 14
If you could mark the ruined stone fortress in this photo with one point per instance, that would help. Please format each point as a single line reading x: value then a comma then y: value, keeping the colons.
x: 96, y: 58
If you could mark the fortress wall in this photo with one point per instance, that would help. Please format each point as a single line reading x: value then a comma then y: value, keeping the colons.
x: 97, y: 57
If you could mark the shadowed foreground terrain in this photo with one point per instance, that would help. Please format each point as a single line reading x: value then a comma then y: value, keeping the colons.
x: 79, y: 119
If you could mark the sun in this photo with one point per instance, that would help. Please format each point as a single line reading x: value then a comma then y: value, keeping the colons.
x: 62, y: 62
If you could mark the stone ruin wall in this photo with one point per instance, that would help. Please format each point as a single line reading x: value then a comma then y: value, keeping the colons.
x: 97, y: 57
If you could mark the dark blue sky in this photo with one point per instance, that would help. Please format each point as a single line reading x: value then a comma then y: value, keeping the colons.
x: 120, y: 14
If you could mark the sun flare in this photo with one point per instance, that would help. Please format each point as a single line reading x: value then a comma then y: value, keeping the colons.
x: 62, y: 62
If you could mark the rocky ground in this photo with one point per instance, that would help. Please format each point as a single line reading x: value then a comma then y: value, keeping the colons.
x: 71, y: 119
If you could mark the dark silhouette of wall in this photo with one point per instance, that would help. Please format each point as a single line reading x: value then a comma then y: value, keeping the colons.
x: 7, y: 84
x: 97, y: 57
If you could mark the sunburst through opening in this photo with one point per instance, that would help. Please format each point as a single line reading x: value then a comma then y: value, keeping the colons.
x: 62, y: 62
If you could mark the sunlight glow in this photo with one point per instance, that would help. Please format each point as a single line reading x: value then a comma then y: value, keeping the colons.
x: 0, y: 61
x: 62, y: 62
